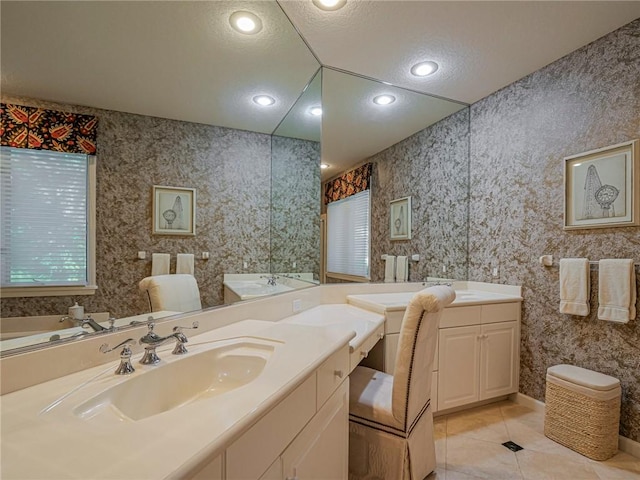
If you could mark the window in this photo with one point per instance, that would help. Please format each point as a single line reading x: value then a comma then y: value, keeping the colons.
x: 348, y: 237
x: 47, y: 223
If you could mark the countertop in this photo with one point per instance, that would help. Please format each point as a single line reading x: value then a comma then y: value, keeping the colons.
x: 390, y: 302
x: 341, y: 318
x: 43, y: 438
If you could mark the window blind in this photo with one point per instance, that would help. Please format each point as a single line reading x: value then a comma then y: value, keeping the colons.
x: 44, y: 220
x: 348, y: 235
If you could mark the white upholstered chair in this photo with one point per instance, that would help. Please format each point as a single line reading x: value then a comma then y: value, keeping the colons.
x: 176, y: 293
x: 390, y: 416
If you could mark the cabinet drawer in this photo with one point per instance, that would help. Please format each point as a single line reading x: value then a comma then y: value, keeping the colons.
x: 279, y: 426
x: 460, y: 316
x: 500, y: 312
x: 332, y: 373
x: 363, y: 350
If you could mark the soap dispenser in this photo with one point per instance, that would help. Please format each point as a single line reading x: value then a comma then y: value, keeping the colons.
x: 76, y: 312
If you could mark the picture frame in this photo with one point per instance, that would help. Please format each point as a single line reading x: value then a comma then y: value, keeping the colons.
x: 400, y: 219
x: 174, y: 210
x: 602, y: 187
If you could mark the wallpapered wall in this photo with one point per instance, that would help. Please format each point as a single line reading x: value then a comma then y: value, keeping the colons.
x: 518, y: 139
x: 432, y: 167
x: 231, y: 171
x: 295, y: 207
x: 519, y: 136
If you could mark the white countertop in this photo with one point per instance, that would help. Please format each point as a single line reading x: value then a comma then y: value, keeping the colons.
x: 45, y: 439
x: 390, y: 302
x: 341, y: 318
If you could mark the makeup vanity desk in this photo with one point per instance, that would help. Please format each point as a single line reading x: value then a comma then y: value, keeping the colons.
x: 478, y: 349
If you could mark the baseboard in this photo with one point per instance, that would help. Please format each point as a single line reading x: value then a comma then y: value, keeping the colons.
x: 527, y: 401
x: 625, y: 444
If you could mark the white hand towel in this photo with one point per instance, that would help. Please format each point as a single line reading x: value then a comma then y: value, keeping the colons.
x: 160, y: 264
x: 617, y: 290
x: 575, y: 286
x: 402, y: 268
x: 184, y: 263
x: 390, y: 269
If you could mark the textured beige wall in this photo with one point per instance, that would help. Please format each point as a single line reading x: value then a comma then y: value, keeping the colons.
x: 231, y: 171
x: 519, y: 136
x: 432, y: 167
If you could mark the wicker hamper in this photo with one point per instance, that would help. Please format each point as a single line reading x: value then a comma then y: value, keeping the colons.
x: 582, y: 410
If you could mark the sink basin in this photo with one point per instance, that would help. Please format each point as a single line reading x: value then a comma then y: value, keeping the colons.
x: 168, y: 386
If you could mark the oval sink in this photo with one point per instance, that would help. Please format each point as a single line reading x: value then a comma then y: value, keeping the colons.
x: 169, y: 386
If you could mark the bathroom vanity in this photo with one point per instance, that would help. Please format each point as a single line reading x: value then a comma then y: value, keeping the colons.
x: 478, y: 349
x: 252, y: 399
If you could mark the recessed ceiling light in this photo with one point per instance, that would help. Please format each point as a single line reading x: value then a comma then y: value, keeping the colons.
x: 329, y: 4
x: 315, y: 111
x: 423, y: 69
x: 245, y: 22
x: 324, y: 165
x: 264, y: 100
x: 384, y: 99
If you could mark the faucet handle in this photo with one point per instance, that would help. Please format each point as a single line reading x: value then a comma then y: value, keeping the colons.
x: 148, y: 321
x: 125, y: 367
x: 181, y: 338
x: 193, y: 326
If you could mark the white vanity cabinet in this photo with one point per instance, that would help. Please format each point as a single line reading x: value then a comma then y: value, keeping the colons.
x: 304, y: 437
x: 478, y: 354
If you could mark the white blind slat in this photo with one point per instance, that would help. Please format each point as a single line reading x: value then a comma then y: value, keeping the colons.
x: 348, y: 228
x: 44, y: 217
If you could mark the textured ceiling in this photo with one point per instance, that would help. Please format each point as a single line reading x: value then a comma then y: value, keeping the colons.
x: 182, y: 60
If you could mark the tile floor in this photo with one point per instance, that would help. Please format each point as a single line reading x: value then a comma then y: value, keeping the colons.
x: 469, y: 447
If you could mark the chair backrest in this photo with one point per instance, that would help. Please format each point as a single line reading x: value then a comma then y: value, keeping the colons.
x: 176, y: 293
x: 416, y: 350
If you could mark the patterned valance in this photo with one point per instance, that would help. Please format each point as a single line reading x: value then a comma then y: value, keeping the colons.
x: 349, y: 183
x: 40, y: 129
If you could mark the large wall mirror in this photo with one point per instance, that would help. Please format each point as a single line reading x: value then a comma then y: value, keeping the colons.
x: 257, y: 174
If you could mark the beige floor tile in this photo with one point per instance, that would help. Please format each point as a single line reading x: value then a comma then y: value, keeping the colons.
x: 451, y: 475
x: 437, y: 474
x: 441, y: 452
x: 621, y: 467
x: 482, y: 423
x: 531, y: 438
x: 533, y: 419
x: 545, y: 466
x: 480, y: 458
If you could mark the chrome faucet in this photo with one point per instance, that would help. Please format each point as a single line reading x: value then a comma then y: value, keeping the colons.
x: 152, y: 340
x: 95, y: 326
x: 180, y: 349
x: 125, y: 367
x: 271, y: 279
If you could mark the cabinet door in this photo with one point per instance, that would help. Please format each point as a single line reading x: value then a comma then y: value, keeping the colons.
x: 458, y: 374
x: 321, y: 451
x: 499, y: 359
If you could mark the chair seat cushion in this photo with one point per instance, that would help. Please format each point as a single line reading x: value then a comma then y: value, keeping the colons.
x: 370, y: 393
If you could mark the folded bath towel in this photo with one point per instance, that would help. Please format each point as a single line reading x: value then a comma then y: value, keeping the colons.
x: 617, y: 290
x: 574, y: 286
x: 402, y: 268
x: 184, y: 263
x: 160, y: 264
x: 390, y: 269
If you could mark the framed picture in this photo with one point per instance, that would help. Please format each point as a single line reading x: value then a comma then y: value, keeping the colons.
x: 174, y: 211
x: 400, y: 216
x: 602, y: 187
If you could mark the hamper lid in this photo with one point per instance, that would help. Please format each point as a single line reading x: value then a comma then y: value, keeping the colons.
x: 584, y: 377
